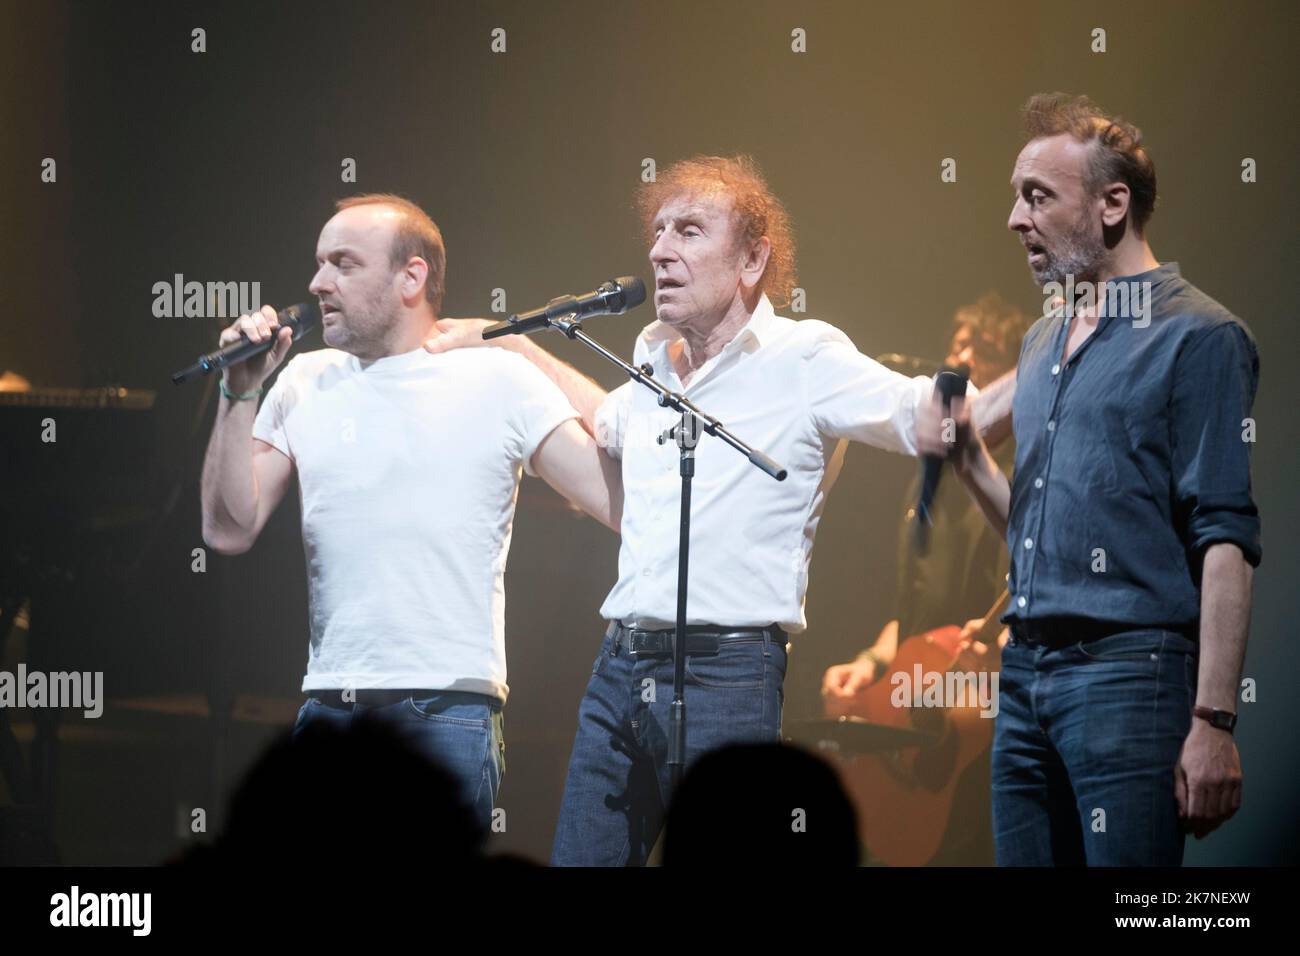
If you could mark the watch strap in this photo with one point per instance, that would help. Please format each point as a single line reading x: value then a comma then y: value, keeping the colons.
x: 1222, y: 719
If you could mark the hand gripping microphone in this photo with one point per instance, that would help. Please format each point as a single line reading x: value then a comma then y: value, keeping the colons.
x: 302, y: 318
x: 949, y: 383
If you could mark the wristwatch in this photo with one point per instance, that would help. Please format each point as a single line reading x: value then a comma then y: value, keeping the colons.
x: 1222, y: 719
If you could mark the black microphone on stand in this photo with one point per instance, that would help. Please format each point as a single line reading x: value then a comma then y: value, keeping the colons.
x: 612, y: 298
x: 302, y: 318
x: 948, y: 383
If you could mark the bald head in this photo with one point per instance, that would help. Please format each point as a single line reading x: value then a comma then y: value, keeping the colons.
x: 414, y: 235
x: 379, y: 275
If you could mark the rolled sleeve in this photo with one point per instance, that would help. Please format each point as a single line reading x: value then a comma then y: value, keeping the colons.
x: 1216, y: 377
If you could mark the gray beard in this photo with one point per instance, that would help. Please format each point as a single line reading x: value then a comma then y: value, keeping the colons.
x: 1080, y: 255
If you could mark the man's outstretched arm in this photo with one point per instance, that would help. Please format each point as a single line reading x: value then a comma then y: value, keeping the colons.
x: 571, y: 462
x: 990, y: 410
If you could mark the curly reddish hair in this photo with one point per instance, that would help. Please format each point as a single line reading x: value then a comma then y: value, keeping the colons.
x: 755, y: 210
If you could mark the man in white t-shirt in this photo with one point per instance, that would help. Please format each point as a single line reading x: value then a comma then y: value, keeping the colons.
x: 408, y: 467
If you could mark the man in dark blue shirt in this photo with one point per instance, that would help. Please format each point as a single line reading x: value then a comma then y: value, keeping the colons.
x: 1130, y: 521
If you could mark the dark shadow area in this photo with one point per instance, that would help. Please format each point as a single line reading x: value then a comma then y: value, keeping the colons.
x: 356, y: 799
x: 760, y: 805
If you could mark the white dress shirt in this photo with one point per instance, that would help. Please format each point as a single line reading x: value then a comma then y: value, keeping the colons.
x: 795, y: 390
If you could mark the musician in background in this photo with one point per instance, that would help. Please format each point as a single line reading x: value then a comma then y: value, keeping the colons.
x: 961, y: 571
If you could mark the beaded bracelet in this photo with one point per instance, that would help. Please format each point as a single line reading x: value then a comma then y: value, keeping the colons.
x: 245, y: 397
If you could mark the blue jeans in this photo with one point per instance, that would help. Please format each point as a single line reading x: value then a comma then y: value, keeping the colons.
x: 1087, y: 738
x: 618, y: 784
x: 463, y: 733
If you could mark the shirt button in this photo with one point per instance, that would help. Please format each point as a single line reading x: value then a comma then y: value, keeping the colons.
x: 1056, y: 369
x: 1051, y: 426
x: 1029, y: 544
x: 1038, y: 482
x: 1020, y: 601
x: 645, y: 573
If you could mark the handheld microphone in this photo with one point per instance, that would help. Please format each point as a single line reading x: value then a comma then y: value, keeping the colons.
x: 612, y: 298
x: 302, y: 318
x: 949, y: 383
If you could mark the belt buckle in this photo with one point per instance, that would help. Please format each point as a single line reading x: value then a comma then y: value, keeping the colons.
x: 636, y: 638
x: 653, y: 643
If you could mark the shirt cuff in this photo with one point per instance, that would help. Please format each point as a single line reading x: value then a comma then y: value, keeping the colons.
x: 1234, y: 521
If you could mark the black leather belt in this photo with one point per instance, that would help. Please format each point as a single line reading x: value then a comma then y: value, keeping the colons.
x: 700, y: 638
x: 1058, y: 632
x: 380, y: 698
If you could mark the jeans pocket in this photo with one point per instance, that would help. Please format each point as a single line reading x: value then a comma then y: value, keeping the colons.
x: 437, y: 710
x: 737, y: 665
x: 463, y: 747
x: 1130, y: 646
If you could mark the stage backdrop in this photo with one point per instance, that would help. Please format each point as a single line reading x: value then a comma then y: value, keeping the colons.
x: 526, y: 146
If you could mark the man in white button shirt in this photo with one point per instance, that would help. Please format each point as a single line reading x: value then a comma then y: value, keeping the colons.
x: 408, y: 467
x: 722, y: 251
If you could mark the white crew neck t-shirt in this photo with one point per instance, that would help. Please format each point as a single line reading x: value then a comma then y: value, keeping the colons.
x: 408, y: 473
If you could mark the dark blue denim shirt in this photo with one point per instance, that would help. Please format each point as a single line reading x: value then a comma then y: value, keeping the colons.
x: 1132, y: 458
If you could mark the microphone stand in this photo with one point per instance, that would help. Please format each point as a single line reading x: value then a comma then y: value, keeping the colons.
x: 687, y: 435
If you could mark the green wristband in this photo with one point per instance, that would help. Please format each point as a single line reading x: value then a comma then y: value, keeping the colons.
x: 235, y: 396
x: 870, y: 655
